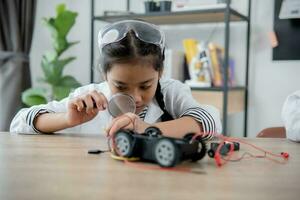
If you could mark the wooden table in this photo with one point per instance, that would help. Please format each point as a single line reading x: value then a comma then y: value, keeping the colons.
x: 58, y: 167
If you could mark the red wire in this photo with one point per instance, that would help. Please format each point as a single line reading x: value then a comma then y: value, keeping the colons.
x: 266, y: 155
x: 254, y: 146
x: 218, y: 157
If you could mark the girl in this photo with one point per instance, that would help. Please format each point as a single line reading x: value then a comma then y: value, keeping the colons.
x: 132, y: 55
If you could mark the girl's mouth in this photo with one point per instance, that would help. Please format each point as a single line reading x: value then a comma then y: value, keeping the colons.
x: 139, y: 108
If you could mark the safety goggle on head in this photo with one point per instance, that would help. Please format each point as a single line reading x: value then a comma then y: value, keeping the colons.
x: 144, y: 31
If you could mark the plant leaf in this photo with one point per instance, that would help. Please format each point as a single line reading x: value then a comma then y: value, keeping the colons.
x: 66, y: 84
x: 64, y: 21
x: 53, y: 70
x: 70, y: 44
x: 60, y: 8
x: 34, y: 96
x: 51, y: 55
x: 51, y: 26
x: 60, y: 27
x: 60, y: 92
x: 69, y: 81
x: 60, y: 45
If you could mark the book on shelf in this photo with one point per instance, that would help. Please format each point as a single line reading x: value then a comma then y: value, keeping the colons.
x: 199, y: 68
x: 216, y: 53
x: 217, y: 62
x: 190, y: 49
x: 206, y: 65
x: 174, y: 64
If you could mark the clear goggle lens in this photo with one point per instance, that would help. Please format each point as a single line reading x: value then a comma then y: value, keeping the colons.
x: 146, y: 32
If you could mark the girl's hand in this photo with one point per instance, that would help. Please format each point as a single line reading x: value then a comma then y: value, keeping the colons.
x: 129, y: 121
x: 84, y: 108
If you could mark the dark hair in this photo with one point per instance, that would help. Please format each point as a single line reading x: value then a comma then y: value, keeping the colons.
x: 131, y: 49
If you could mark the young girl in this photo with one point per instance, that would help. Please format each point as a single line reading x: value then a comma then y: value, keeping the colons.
x: 132, y: 55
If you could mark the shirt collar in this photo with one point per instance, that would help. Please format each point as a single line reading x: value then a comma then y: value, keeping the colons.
x: 154, y: 112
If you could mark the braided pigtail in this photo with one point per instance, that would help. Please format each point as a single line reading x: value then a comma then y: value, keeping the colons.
x: 160, y: 100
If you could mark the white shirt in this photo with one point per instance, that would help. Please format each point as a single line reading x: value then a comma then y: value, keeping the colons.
x: 291, y: 116
x: 177, y: 98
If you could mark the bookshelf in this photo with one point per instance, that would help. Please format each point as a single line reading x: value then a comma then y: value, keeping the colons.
x: 227, y: 99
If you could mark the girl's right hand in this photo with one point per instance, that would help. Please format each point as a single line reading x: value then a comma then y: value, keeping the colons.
x: 84, y: 108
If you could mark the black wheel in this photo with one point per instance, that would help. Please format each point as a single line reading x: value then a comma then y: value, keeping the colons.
x: 153, y: 131
x: 201, y: 151
x: 166, y: 153
x: 124, y: 144
x: 189, y: 137
x: 211, y: 153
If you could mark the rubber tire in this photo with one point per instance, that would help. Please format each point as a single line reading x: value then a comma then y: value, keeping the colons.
x: 153, y: 131
x: 211, y: 153
x: 201, y: 154
x: 128, y: 139
x: 174, y: 151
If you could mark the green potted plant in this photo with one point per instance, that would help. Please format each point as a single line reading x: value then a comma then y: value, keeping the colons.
x: 53, y: 64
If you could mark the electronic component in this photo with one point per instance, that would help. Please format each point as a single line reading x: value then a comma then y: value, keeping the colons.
x: 152, y: 146
x: 225, y: 148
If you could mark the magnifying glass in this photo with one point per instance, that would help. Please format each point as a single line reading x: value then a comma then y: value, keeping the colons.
x: 120, y: 104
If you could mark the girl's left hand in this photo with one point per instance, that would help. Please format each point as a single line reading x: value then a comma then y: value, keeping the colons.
x: 129, y: 121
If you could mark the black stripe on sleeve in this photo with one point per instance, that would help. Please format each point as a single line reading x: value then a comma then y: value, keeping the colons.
x: 202, y: 116
x: 143, y: 113
x: 30, y: 115
x: 33, y: 114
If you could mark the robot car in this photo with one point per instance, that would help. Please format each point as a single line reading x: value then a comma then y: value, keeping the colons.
x: 152, y: 146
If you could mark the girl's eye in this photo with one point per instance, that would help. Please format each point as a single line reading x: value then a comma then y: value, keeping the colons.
x: 145, y: 87
x: 121, y: 88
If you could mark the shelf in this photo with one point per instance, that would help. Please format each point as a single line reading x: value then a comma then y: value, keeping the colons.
x: 236, y: 99
x: 182, y: 17
x: 218, y: 89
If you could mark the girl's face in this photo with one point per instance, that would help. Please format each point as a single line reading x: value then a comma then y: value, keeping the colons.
x: 136, y: 79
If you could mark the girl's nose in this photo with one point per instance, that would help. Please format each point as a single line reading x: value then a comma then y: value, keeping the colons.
x: 137, y: 96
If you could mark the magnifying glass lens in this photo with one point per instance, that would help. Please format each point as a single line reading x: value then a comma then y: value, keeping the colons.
x: 120, y: 104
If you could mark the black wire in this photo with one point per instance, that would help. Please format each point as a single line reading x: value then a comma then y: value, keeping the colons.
x: 97, y: 151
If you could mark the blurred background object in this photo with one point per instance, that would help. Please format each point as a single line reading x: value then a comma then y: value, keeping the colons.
x: 158, y: 6
x: 16, y: 25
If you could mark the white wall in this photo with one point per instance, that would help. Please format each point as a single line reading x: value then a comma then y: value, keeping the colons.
x: 269, y: 81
